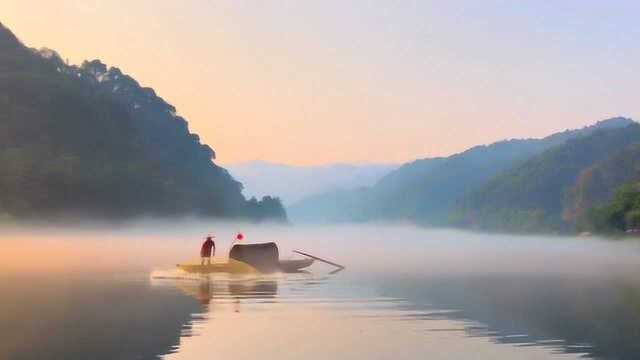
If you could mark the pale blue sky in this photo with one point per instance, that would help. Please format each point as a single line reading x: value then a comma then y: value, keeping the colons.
x: 310, y: 82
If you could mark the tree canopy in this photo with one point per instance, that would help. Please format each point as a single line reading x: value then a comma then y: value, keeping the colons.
x: 90, y: 141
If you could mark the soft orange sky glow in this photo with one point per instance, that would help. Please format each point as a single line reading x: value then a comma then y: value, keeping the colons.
x: 319, y: 82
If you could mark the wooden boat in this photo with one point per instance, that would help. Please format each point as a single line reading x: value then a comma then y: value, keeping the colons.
x: 239, y: 267
x: 256, y: 258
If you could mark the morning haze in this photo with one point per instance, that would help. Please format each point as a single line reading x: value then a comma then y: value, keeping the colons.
x: 319, y: 180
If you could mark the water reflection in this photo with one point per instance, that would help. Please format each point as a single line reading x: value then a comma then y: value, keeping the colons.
x: 443, y: 295
x: 343, y: 313
x: 494, y: 317
x: 559, y: 315
x: 89, y: 317
x: 207, y: 288
x: 597, y: 315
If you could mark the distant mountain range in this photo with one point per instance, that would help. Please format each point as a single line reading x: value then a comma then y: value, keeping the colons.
x: 89, y: 141
x: 294, y: 183
x: 484, y: 187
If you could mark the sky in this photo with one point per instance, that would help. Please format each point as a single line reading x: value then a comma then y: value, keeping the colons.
x: 316, y: 82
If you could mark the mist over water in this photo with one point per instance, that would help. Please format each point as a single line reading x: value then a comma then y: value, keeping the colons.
x: 92, y: 292
x: 366, y: 248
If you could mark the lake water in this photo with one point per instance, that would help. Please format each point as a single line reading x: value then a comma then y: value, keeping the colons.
x: 407, y: 293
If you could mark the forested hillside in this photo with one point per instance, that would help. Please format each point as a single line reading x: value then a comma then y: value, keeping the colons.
x: 90, y: 141
x: 597, y: 184
x: 551, y: 190
x: 606, y: 196
x: 620, y: 214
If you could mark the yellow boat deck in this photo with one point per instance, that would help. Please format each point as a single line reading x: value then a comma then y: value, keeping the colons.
x: 231, y: 267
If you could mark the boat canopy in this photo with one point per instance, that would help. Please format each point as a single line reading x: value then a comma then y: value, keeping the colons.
x: 264, y: 257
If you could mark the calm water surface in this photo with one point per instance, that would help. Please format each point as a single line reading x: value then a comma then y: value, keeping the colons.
x: 407, y: 294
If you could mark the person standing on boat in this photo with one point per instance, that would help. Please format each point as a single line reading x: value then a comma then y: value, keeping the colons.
x: 207, y: 250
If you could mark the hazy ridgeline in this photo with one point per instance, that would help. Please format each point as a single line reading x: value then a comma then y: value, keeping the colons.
x: 563, y: 183
x: 294, y: 183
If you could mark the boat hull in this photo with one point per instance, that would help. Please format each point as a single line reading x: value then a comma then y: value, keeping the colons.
x: 290, y: 266
x: 238, y: 267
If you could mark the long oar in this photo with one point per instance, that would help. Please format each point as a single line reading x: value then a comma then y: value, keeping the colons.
x: 340, y: 267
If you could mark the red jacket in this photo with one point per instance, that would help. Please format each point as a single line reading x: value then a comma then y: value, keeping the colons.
x: 207, y: 246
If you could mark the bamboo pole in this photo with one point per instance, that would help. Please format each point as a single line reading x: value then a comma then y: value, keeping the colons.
x: 340, y: 267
